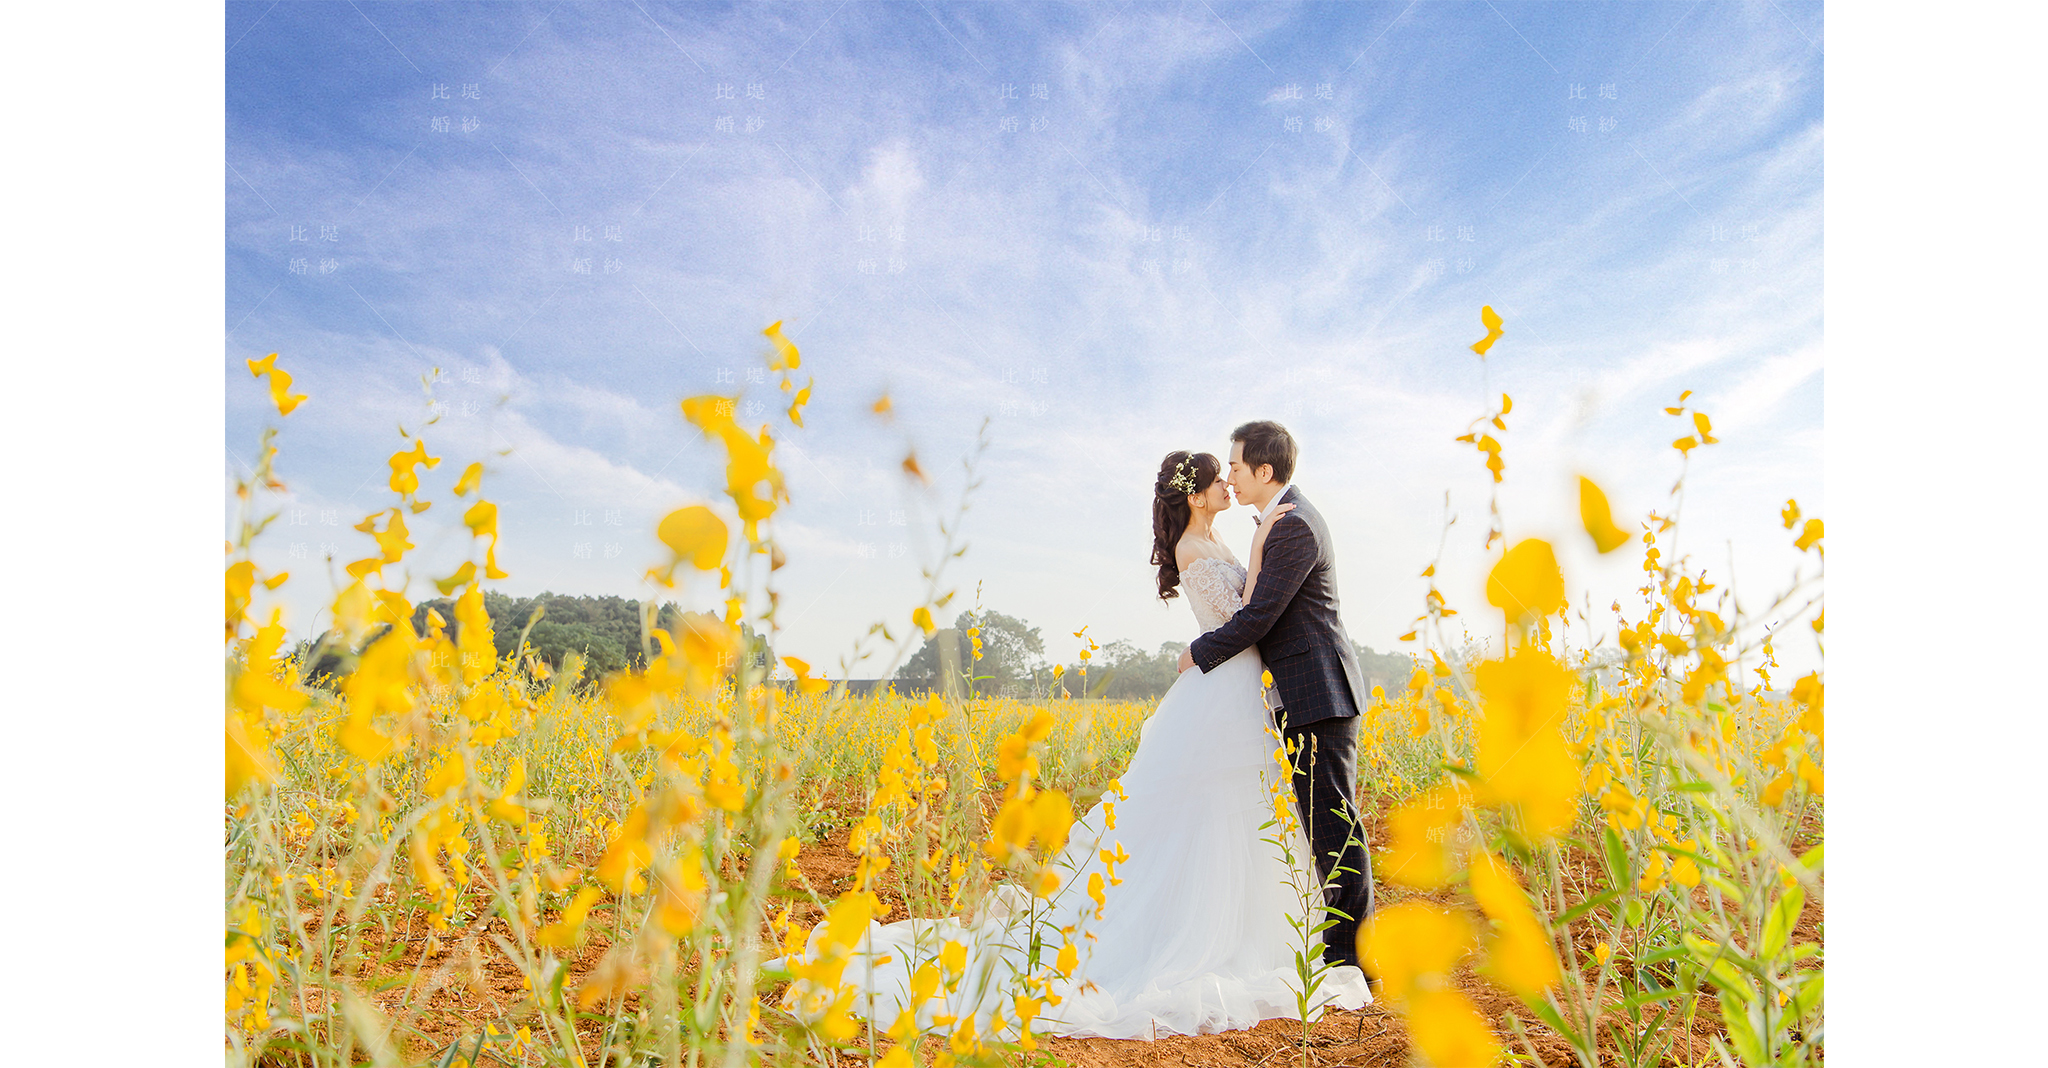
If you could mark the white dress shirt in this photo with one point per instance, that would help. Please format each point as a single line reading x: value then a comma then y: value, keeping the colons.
x: 1267, y: 512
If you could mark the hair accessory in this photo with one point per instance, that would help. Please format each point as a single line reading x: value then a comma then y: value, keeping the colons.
x: 1182, y: 480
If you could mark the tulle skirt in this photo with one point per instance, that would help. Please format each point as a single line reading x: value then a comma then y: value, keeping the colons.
x: 1194, y: 938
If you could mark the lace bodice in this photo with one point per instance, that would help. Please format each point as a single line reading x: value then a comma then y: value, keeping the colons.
x: 1215, y: 590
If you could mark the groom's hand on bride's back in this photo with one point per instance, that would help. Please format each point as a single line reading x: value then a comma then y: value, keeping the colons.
x: 1186, y: 660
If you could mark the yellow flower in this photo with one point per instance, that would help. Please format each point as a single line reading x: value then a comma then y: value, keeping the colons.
x: 695, y: 534
x: 804, y: 682
x: 1449, y: 1031
x: 567, y: 930
x: 1774, y: 792
x: 1414, y: 947
x: 1014, y: 759
x: 248, y: 754
x: 925, y: 981
x: 1686, y: 872
x: 482, y: 521
x: 424, y: 871
x: 679, y: 885
x: 1492, y: 322
x: 1625, y: 811
x: 1421, y: 853
x: 1653, y: 876
x: 1111, y: 859
x: 1518, y: 954
x: 796, y: 405
x: 628, y: 851
x: 1011, y: 830
x: 462, y: 577
x: 1522, y: 757
x: 1039, y: 726
x: 1526, y: 582
x: 1598, y: 519
x: 471, y: 477
x: 1027, y: 1009
x: 1052, y: 816
x: 280, y: 383
x: 405, y: 478
x: 503, y: 807
x: 786, y: 356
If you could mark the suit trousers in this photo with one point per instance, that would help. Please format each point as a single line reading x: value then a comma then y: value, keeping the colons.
x: 1325, y: 782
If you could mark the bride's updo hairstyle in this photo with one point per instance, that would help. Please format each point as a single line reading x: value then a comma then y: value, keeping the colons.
x: 1180, y: 474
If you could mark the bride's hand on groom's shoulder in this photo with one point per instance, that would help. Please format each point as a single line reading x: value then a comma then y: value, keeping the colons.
x: 1266, y: 527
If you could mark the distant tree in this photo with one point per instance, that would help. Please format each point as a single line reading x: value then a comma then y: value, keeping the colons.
x: 1012, y: 653
x: 921, y: 670
x: 1135, y: 673
x: 1387, y: 670
x: 604, y: 631
x: 754, y: 650
x: 1122, y: 671
x: 553, y: 642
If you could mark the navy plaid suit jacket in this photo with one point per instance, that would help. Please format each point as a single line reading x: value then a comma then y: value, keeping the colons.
x: 1292, y: 618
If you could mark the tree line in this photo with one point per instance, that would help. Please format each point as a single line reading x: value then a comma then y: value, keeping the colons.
x: 1013, y: 663
x: 604, y: 632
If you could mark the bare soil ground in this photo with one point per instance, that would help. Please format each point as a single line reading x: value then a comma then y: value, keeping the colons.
x: 467, y: 982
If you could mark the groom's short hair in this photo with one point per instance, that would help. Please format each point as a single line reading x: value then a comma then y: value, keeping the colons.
x: 1267, y: 442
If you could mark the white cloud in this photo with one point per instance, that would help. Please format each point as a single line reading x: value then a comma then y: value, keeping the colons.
x: 1027, y: 286
x: 1758, y: 394
x: 892, y: 177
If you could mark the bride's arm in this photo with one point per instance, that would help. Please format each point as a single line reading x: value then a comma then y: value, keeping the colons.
x: 1251, y: 574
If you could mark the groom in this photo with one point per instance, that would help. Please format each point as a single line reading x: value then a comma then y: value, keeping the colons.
x: 1292, y: 618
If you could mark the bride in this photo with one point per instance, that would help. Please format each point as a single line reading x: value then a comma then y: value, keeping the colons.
x: 1194, y: 934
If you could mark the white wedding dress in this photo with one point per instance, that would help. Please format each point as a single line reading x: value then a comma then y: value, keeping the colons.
x: 1196, y: 937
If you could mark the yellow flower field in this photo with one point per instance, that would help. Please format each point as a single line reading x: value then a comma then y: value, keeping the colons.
x: 447, y: 857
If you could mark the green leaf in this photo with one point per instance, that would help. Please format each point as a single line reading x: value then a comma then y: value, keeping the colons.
x: 1549, y: 1015
x: 1695, y: 787
x: 1586, y: 906
x: 1811, y: 859
x: 1664, y: 954
x: 1807, y: 998
x: 1617, y: 860
x: 1727, y: 887
x: 1742, y: 1033
x: 1637, y: 1001
x: 1778, y: 926
x: 1722, y: 972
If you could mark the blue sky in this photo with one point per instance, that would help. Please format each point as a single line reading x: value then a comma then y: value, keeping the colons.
x: 1115, y: 229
